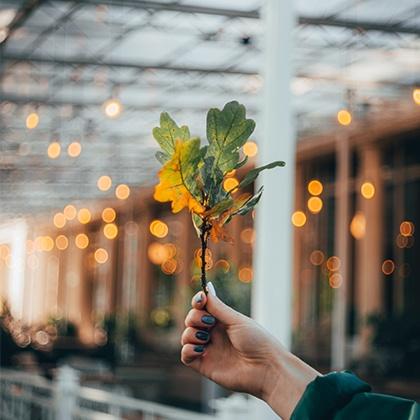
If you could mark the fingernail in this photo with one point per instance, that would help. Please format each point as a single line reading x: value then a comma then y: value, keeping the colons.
x: 198, y: 298
x: 202, y: 335
x: 199, y: 349
x: 208, y: 319
x: 211, y: 289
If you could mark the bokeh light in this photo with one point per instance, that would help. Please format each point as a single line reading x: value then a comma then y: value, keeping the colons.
x: 367, y: 190
x: 407, y: 228
x: 245, y: 274
x: 70, y: 212
x: 333, y: 263
x: 122, y: 192
x: 223, y: 265
x: 112, y: 108
x: 335, y: 280
x: 230, y: 184
x: 61, y: 242
x: 344, y: 117
x: 169, y: 266
x: 104, y: 183
x: 388, y: 267
x: 157, y: 253
x: 59, y: 220
x: 108, y: 215
x: 158, y: 228
x: 416, y: 95
x: 298, y: 218
x: 54, y: 150
x: 110, y: 231
x: 250, y: 149
x: 82, y: 241
x: 47, y: 243
x: 74, y: 149
x: 315, y: 187
x: 315, y: 205
x: 248, y: 236
x: 84, y: 216
x: 101, y: 256
x: 358, y: 225
x: 317, y: 257
x: 32, y: 120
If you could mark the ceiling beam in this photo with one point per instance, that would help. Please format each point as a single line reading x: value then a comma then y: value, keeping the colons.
x: 359, y: 24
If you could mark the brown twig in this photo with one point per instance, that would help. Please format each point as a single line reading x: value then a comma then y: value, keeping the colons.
x: 204, y: 229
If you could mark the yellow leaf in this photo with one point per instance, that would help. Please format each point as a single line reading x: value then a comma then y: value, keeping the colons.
x: 176, y: 178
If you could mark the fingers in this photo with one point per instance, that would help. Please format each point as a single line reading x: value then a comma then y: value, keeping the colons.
x: 194, y: 336
x: 199, y: 319
x: 222, y: 312
x: 199, y: 300
x: 191, y: 352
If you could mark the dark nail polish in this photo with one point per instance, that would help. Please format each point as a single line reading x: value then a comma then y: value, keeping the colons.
x: 199, y: 298
x: 208, y: 319
x: 202, y: 335
x: 199, y: 349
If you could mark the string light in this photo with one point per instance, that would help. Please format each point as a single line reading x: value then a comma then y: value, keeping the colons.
x: 388, y: 267
x: 59, y: 220
x: 32, y: 121
x: 367, y: 190
x: 250, y: 149
x: 315, y: 205
x: 47, y: 243
x: 54, y: 150
x: 104, y: 183
x: 344, y: 117
x: 315, y: 187
x: 416, y: 96
x: 61, y: 242
x: 101, y: 256
x: 112, y: 108
x: 298, y: 218
x: 158, y: 228
x: 84, y: 216
x: 70, y: 212
x: 74, y: 149
x: 108, y: 215
x: 82, y: 241
x: 110, y: 231
x: 122, y: 192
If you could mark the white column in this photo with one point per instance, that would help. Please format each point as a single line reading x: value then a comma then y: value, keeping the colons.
x: 271, y: 303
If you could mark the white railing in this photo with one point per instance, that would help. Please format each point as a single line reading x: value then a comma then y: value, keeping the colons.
x: 24, y: 396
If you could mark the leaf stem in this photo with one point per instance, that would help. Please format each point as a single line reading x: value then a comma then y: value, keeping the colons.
x: 204, y: 229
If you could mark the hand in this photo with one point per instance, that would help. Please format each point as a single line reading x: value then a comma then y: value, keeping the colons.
x: 237, y: 353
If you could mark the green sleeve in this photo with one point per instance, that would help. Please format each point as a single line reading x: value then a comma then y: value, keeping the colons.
x: 343, y: 396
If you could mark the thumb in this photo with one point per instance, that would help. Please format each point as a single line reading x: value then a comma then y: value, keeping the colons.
x: 222, y: 312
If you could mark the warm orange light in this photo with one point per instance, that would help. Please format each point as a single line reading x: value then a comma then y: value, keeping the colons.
x: 170, y: 250
x: 74, y: 149
x: 54, y: 150
x: 32, y: 120
x: 70, y: 212
x: 407, y: 228
x: 250, y: 149
x: 82, y: 241
x: 358, y: 225
x: 59, y: 220
x: 84, y: 216
x: 110, y: 231
x: 108, y: 215
x: 122, y: 192
x: 101, y: 256
x: 104, y: 183
x: 367, y: 190
x: 344, y: 117
x: 112, y: 108
x: 231, y: 173
x: 298, y: 218
x: 223, y: 265
x: 158, y: 228
x: 416, y: 96
x: 245, y: 274
x: 169, y: 266
x: 316, y: 257
x: 157, y: 253
x: 315, y: 187
x: 61, y: 242
x: 47, y: 243
x: 315, y: 205
x: 335, y: 280
x: 402, y: 241
x: 230, y: 184
x: 333, y: 263
x: 248, y: 236
x: 388, y: 267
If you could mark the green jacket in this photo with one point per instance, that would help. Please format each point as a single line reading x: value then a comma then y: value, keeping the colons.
x: 343, y: 396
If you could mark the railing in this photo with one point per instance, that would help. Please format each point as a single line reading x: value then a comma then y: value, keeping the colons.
x: 25, y: 396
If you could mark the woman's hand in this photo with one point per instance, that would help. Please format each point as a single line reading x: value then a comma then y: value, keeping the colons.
x: 235, y: 352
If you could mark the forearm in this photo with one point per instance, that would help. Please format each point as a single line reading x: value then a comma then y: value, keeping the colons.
x: 286, y: 382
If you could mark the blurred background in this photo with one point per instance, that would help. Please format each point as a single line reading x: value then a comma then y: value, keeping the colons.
x: 96, y: 275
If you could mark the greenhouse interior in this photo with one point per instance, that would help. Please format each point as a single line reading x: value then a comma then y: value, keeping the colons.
x: 97, y: 275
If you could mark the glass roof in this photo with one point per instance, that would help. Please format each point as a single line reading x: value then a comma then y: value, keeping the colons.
x: 64, y: 59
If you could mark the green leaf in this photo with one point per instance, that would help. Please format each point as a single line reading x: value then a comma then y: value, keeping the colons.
x: 161, y: 157
x: 167, y: 134
x: 253, y: 173
x: 241, y: 163
x: 227, y: 132
x: 251, y: 203
x: 219, y: 208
